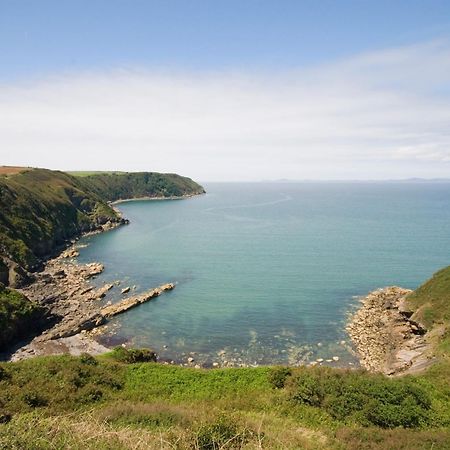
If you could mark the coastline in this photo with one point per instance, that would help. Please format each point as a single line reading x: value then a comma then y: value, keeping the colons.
x: 63, y: 288
x: 137, y: 199
x: 386, y: 337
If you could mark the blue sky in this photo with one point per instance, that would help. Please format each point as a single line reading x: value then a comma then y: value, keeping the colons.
x: 294, y: 89
x: 41, y: 37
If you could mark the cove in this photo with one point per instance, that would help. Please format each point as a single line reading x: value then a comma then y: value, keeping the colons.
x: 267, y: 273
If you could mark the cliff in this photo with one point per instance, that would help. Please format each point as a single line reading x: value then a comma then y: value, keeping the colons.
x: 41, y: 209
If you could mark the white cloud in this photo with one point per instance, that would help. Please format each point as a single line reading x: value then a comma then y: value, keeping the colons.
x: 379, y: 115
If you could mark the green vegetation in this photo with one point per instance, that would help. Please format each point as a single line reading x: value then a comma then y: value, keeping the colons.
x: 87, y: 173
x: 126, y: 400
x: 87, y: 403
x: 116, y: 186
x: 431, y: 303
x: 18, y: 316
x: 41, y: 209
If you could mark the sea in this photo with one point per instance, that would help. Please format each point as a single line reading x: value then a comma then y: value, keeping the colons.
x: 267, y: 273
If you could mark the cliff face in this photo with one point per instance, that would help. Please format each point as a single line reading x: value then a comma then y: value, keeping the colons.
x: 41, y: 209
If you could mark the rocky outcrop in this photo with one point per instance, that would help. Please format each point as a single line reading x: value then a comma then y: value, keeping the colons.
x: 13, y: 275
x: 132, y: 302
x: 386, y: 339
x: 64, y: 291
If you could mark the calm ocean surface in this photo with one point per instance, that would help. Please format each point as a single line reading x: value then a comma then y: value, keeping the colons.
x: 268, y: 272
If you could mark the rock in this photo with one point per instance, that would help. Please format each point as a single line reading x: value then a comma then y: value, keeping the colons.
x: 197, y: 366
x: 18, y: 277
x: 335, y: 358
x: 404, y: 309
x: 93, y: 269
x: 215, y: 364
x: 86, y: 290
x: 70, y: 253
x: 100, y: 293
x: 384, y: 333
x: 132, y: 302
x: 60, y: 274
x: 190, y: 360
x: 319, y: 360
x: 126, y: 290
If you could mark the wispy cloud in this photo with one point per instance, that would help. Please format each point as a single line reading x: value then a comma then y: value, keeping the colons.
x: 379, y: 115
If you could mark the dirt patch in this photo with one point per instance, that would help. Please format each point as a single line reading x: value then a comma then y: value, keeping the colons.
x: 11, y: 170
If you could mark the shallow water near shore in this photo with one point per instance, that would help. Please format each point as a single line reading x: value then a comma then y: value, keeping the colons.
x: 267, y: 273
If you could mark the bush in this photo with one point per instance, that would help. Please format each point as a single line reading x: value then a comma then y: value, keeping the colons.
x: 223, y: 433
x: 4, y: 375
x: 134, y: 355
x: 278, y: 376
x: 34, y: 400
x: 90, y: 395
x: 5, y: 417
x: 362, y: 398
x: 88, y: 359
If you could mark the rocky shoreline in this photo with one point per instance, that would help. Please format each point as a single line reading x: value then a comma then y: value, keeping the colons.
x: 74, y: 306
x: 386, y: 337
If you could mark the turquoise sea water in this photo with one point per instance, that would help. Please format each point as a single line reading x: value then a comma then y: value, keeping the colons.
x: 267, y: 272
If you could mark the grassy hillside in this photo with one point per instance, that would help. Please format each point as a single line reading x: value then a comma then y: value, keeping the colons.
x: 116, y: 186
x: 431, y: 303
x: 104, y: 403
x: 41, y: 209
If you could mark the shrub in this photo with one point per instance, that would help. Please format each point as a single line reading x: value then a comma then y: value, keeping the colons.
x: 223, y: 433
x: 278, y: 376
x: 5, y: 417
x: 133, y: 355
x: 309, y: 390
x: 88, y: 359
x: 34, y: 400
x: 362, y: 398
x: 90, y: 395
x: 4, y: 375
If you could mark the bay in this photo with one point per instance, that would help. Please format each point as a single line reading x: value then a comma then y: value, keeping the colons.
x: 267, y: 273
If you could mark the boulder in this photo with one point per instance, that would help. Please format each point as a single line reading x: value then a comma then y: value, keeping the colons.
x: 18, y: 277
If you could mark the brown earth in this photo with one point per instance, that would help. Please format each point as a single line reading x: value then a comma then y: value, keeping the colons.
x: 11, y: 170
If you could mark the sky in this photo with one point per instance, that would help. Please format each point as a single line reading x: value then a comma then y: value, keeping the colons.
x: 228, y: 90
